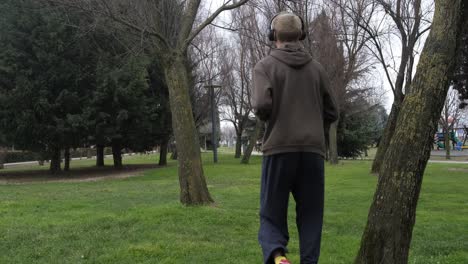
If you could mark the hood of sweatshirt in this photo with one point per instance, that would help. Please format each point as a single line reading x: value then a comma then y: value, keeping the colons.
x: 292, y: 54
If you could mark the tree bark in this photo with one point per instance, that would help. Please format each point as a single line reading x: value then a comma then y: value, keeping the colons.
x: 174, y: 154
x: 99, y: 155
x: 163, y: 153
x: 193, y: 189
x: 386, y: 136
x: 447, y: 143
x: 117, y: 154
x: 67, y: 159
x: 238, y: 152
x: 55, y: 161
x: 333, y: 144
x: 3, y: 153
x: 252, y: 141
x: 391, y: 218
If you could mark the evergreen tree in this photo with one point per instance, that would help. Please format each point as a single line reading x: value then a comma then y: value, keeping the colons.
x: 44, y: 81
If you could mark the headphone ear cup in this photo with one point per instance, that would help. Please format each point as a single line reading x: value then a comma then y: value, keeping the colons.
x: 271, y: 35
x: 303, y: 35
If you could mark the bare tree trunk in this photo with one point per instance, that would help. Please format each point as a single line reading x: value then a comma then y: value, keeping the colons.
x: 89, y: 153
x: 99, y: 155
x: 67, y: 159
x: 174, y: 154
x: 333, y: 144
x: 193, y: 189
x: 252, y: 141
x: 238, y: 146
x: 55, y: 161
x: 447, y: 143
x: 117, y: 154
x: 386, y: 136
x: 3, y: 153
x: 163, y: 153
x: 391, y: 218
x: 41, y: 158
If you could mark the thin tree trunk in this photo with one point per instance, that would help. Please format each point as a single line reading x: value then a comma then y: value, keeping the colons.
x: 55, y: 161
x: 41, y: 158
x: 174, y: 154
x: 89, y: 153
x: 67, y: 159
x: 99, y: 155
x: 3, y: 153
x: 333, y: 144
x: 238, y: 152
x: 193, y: 188
x: 117, y: 154
x: 252, y: 141
x: 163, y: 153
x: 387, y: 236
x: 386, y: 136
x: 447, y: 143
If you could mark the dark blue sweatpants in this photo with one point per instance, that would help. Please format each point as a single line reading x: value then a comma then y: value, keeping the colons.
x: 302, y: 174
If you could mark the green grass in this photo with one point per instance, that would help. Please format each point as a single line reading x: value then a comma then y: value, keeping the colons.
x: 139, y: 220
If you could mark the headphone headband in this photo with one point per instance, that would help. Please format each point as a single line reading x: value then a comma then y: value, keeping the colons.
x: 271, y: 33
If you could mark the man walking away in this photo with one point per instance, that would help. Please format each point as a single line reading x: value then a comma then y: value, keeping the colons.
x: 292, y: 95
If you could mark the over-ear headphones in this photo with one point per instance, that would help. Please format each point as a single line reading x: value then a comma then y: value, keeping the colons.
x: 271, y: 33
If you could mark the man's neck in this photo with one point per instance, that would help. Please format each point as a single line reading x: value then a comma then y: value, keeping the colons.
x: 281, y: 45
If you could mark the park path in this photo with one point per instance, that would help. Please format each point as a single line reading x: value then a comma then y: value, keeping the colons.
x: 78, y: 175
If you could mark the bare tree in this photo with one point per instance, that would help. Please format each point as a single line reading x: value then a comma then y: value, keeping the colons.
x: 246, y: 53
x: 168, y: 28
x: 205, y: 53
x: 451, y: 112
x: 391, y: 218
x: 237, y: 87
x: 408, y: 21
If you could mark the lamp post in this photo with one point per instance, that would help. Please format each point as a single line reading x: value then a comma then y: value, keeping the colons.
x: 213, y: 121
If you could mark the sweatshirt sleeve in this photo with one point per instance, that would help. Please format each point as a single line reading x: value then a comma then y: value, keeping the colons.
x: 330, y: 105
x: 262, y: 101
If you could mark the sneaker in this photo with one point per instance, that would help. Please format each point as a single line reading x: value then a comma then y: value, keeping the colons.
x: 282, y: 260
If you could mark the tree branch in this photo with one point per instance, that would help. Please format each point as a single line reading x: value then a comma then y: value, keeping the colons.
x: 210, y: 19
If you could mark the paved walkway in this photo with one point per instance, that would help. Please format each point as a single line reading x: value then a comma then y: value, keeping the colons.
x: 453, y: 153
x: 439, y: 153
x: 449, y: 161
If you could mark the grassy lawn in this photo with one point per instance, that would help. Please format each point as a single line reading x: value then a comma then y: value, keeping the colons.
x: 139, y: 219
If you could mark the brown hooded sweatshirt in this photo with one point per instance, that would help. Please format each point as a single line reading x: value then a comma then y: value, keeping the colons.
x: 291, y: 93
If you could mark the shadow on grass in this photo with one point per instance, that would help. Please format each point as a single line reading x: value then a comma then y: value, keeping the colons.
x: 80, y: 174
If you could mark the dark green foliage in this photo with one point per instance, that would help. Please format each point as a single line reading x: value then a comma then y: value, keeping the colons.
x: 358, y: 130
x: 119, y: 109
x: 20, y: 156
x: 65, y: 84
x: 44, y: 78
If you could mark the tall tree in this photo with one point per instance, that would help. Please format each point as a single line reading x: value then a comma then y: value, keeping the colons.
x: 171, y: 34
x: 326, y: 49
x: 158, y: 90
x: 408, y: 18
x: 45, y: 64
x: 388, y: 232
x: 121, y: 112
